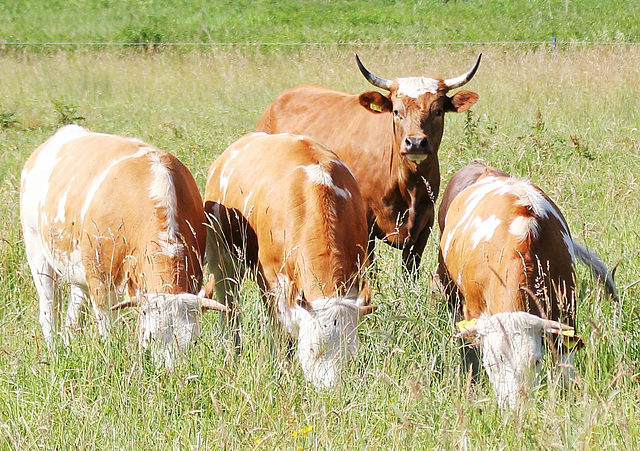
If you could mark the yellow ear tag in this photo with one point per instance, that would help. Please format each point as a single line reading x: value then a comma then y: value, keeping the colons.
x: 375, y: 107
x: 465, y: 324
x: 571, y: 342
x: 569, y: 333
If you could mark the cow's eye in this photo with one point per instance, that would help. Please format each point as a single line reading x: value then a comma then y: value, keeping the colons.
x: 439, y: 112
x: 396, y: 113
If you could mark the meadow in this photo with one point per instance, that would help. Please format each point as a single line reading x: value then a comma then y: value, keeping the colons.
x: 568, y: 120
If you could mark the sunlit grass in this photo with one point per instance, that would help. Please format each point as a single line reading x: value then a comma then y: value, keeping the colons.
x: 405, y: 389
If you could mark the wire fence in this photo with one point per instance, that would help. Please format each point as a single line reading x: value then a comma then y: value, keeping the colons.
x: 552, y: 41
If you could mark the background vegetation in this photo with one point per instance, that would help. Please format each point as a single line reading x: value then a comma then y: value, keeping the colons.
x: 148, y: 21
x: 568, y: 120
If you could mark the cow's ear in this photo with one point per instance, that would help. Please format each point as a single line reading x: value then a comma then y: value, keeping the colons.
x: 375, y: 102
x: 364, y: 299
x: 461, y: 101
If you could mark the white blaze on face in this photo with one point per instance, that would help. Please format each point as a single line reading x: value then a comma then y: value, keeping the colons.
x: 167, y: 324
x: 511, y: 353
x: 416, y: 86
x: 326, y: 333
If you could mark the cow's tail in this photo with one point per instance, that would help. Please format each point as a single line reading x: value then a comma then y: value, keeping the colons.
x: 598, y: 268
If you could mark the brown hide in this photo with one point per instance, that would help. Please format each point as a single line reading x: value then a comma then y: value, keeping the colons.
x: 277, y: 218
x: 111, y: 219
x: 504, y: 273
x: 370, y: 133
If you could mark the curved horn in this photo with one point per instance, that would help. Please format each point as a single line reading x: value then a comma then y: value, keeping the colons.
x: 378, y: 82
x: 210, y: 304
x: 130, y: 302
x: 463, y: 79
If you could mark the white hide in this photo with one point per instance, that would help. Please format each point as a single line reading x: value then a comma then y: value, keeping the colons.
x: 416, y: 86
x: 170, y: 320
x: 167, y: 324
x: 511, y: 345
x: 326, y: 333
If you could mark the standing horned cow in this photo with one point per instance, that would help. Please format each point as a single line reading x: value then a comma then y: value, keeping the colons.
x: 390, y: 143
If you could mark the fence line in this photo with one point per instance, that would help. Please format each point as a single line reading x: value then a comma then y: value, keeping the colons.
x: 310, y: 44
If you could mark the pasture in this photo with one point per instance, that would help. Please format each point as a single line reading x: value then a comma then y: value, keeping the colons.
x: 568, y: 120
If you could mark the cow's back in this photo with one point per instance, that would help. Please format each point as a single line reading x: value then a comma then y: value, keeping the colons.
x: 337, y: 120
x: 505, y: 244
x: 104, y: 205
x: 298, y: 201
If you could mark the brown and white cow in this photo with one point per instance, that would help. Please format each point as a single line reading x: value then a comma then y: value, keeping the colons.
x: 390, y: 143
x: 116, y: 218
x: 287, y: 208
x: 506, y: 261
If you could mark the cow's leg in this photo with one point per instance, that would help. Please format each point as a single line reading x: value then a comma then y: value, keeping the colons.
x: 44, y: 279
x: 227, y: 277
x: 470, y: 355
x: 412, y: 253
x: 74, y: 312
x: 102, y: 299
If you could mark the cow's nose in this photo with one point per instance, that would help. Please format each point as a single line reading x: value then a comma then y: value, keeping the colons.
x: 416, y: 144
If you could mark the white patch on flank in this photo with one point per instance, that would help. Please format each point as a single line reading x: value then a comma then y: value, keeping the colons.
x: 528, y: 196
x: 163, y: 192
x: 416, y: 86
x: 39, y: 176
x: 521, y: 226
x: 478, y: 191
x: 224, y: 180
x: 96, y: 182
x: 484, y: 229
x: 62, y: 203
x: 317, y: 174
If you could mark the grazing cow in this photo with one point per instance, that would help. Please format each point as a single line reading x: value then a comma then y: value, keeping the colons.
x: 390, y: 143
x: 116, y: 218
x: 287, y: 208
x: 506, y: 261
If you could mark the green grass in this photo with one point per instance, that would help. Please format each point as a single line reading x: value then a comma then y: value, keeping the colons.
x: 569, y: 121
x: 204, y: 21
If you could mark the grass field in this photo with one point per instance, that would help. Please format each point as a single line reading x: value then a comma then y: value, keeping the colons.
x: 286, y: 21
x: 567, y: 120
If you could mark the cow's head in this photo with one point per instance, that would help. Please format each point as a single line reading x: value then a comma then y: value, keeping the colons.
x: 512, y: 351
x: 418, y: 105
x: 326, y: 330
x: 167, y: 323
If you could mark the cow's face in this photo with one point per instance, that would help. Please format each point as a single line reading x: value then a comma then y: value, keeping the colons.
x: 327, y: 338
x: 326, y: 331
x: 511, y: 345
x: 168, y: 323
x: 418, y: 105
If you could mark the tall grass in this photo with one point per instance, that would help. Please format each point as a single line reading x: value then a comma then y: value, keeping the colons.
x: 566, y: 120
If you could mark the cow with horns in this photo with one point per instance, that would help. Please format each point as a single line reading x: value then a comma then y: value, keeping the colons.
x: 288, y: 210
x: 123, y: 223
x: 506, y: 262
x: 390, y: 143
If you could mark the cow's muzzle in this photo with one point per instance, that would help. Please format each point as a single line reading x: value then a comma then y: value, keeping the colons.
x: 416, y: 148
